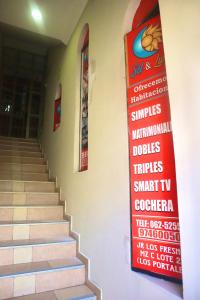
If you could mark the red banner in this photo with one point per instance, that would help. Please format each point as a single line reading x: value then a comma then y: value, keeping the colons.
x: 57, y: 113
x: 84, y: 109
x: 154, y: 209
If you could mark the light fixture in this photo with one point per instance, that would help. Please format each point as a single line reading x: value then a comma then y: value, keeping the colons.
x: 36, y: 14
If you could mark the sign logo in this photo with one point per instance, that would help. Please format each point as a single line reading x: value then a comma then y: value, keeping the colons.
x: 147, y: 41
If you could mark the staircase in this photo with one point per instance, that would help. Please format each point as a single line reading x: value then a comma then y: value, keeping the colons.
x: 38, y: 258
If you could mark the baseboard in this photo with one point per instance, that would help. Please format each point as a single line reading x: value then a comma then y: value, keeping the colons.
x: 93, y: 286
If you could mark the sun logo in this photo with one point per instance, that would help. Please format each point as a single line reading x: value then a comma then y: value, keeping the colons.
x: 151, y: 38
x: 147, y: 42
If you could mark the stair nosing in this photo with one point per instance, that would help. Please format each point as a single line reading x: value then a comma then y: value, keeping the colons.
x: 89, y: 295
x: 12, y: 138
x: 20, y: 148
x: 26, y: 205
x: 37, y: 222
x: 20, y: 144
x: 32, y: 152
x: 49, y: 242
x: 17, y: 156
x: 27, y: 181
x: 47, y: 270
x: 17, y: 192
x: 21, y: 172
x: 85, y: 297
x: 23, y: 149
x: 22, y: 164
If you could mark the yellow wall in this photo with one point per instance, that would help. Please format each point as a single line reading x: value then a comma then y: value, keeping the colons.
x: 181, y: 30
x: 98, y: 199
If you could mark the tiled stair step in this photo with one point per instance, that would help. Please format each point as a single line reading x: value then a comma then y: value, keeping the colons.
x: 14, y: 139
x: 19, y: 153
x: 14, y: 175
x: 80, y: 292
x: 28, y: 198
x: 36, y: 277
x: 27, y: 186
x: 21, y: 213
x: 22, y: 159
x: 23, y: 167
x: 20, y: 148
x: 19, y: 230
x: 19, y: 143
x: 25, y: 251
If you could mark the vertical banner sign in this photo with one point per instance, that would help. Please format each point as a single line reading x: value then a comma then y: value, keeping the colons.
x: 57, y: 108
x: 84, y: 110
x: 154, y: 211
x: 57, y: 113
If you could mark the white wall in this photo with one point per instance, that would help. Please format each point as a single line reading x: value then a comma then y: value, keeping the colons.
x: 98, y: 199
x: 181, y: 29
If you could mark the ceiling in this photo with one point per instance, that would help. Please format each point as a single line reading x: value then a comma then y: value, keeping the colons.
x: 59, y: 18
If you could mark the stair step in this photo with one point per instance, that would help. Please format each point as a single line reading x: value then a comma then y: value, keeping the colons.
x: 14, y: 139
x: 19, y: 153
x: 81, y: 292
x: 20, y: 148
x: 28, y: 278
x: 27, y: 186
x: 28, y: 198
x: 18, y: 230
x: 21, y: 213
x: 22, y: 160
x: 33, y: 250
x: 27, y: 176
x: 23, y: 167
x: 19, y: 144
